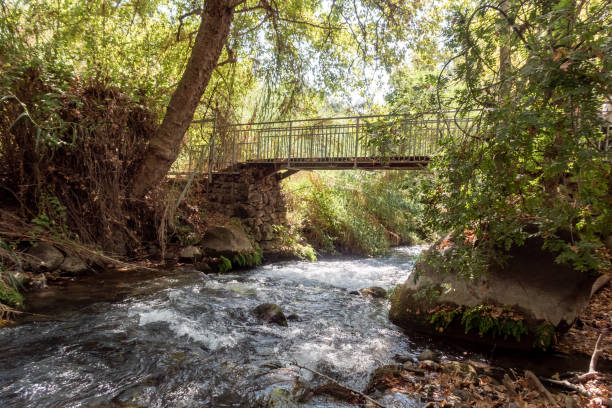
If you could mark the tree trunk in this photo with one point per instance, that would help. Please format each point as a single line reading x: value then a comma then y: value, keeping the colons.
x: 166, y: 142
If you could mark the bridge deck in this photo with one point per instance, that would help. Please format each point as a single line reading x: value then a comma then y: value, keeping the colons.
x: 320, y: 144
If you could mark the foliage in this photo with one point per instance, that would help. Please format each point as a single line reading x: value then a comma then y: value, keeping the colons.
x: 68, y: 150
x: 486, y: 319
x: 9, y: 286
x: 290, y: 239
x: 249, y: 259
x: 225, y: 265
x: 535, y: 161
x: 545, y: 336
x: 356, y: 211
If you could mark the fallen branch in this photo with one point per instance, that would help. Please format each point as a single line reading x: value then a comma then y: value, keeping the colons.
x: 577, y: 388
x: 569, y: 386
x: 532, y: 377
x: 596, y: 353
x: 361, y: 394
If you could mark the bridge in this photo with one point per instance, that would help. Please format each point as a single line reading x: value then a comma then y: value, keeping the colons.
x: 239, y: 165
x: 351, y: 142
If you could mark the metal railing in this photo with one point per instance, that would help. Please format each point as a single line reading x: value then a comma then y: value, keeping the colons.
x: 326, y: 140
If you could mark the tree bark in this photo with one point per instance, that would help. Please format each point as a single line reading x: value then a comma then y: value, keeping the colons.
x: 165, y: 144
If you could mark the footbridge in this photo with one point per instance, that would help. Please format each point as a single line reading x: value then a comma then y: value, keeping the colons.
x: 351, y: 142
x: 239, y: 167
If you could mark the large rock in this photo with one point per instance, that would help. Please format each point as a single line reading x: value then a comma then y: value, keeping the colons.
x: 44, y: 257
x: 226, y: 241
x: 270, y: 313
x: 531, y: 283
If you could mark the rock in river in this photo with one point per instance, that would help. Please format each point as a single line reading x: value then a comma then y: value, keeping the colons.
x: 374, y: 291
x: 226, y: 241
x: 270, y: 313
x: 531, y: 283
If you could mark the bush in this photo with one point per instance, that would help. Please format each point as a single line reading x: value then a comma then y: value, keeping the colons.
x: 357, y: 211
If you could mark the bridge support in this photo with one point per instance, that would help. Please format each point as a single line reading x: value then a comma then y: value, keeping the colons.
x: 253, y: 195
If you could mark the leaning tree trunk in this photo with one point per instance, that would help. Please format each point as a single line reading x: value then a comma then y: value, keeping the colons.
x: 165, y: 144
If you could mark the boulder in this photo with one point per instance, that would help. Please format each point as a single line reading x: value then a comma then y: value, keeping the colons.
x: 530, y: 282
x: 73, y: 265
x: 190, y: 254
x: 374, y: 291
x: 225, y: 241
x: 44, y: 257
x: 270, y: 313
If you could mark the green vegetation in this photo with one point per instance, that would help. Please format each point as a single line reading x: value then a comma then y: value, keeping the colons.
x: 535, y: 161
x: 485, y: 319
x: 357, y: 211
x: 225, y: 265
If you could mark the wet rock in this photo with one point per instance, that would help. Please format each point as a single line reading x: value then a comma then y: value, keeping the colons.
x: 73, y: 265
x: 374, y: 291
x: 293, y: 317
x: 226, y: 241
x: 190, y: 254
x: 354, y: 292
x: 464, y: 370
x: 270, y: 313
x: 402, y: 358
x: 44, y: 257
x: 427, y: 354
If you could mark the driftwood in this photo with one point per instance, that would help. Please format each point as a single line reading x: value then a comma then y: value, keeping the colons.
x: 597, y: 351
x: 361, y: 394
x: 532, y: 377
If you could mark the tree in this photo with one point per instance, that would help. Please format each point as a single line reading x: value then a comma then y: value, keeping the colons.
x: 165, y: 144
x: 212, y: 36
x: 536, y: 164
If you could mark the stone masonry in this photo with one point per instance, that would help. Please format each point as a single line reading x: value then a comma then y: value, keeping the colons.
x: 253, y: 195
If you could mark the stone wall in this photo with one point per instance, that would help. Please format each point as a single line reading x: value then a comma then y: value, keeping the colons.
x: 253, y: 195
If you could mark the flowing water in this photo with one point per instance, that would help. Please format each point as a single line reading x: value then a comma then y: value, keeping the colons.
x: 187, y: 339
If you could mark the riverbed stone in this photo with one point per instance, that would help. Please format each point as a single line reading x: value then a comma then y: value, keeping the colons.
x: 270, y: 313
x: 374, y: 291
x: 190, y: 254
x: 227, y: 241
x: 530, y: 282
x: 73, y: 265
x: 427, y: 354
x: 44, y: 257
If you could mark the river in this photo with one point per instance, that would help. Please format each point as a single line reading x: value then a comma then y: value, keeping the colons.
x: 187, y: 339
